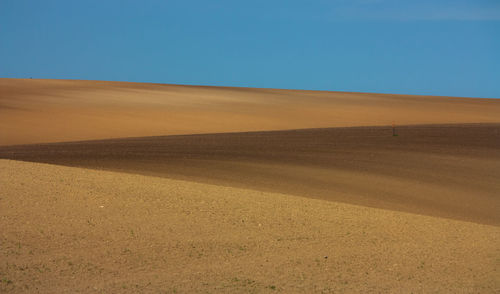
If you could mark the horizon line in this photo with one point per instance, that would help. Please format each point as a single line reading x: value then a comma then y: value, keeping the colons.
x: 250, y: 87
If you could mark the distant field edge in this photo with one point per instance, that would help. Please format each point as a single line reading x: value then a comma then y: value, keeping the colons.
x: 378, y: 127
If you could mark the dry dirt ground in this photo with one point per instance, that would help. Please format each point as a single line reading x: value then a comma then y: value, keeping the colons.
x: 218, y: 202
x: 75, y: 230
x: 35, y: 111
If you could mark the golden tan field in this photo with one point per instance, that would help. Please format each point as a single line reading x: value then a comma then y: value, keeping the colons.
x: 110, y: 187
x: 35, y: 111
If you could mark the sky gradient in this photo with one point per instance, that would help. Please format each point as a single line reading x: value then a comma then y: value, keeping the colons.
x: 441, y: 47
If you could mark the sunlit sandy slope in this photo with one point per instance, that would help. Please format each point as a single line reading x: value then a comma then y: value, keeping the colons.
x: 33, y: 111
x: 67, y: 230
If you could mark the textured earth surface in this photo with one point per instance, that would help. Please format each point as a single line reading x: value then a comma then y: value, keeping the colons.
x: 111, y: 187
x: 68, y: 230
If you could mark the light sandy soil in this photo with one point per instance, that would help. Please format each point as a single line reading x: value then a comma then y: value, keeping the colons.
x: 68, y: 230
x: 34, y: 111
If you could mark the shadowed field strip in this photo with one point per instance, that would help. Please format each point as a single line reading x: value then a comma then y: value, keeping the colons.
x: 440, y: 170
x: 71, y: 229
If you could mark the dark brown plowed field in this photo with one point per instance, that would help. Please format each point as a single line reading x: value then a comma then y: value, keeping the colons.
x: 440, y: 170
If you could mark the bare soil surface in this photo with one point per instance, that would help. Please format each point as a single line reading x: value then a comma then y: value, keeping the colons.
x: 36, y: 111
x: 70, y: 230
x: 441, y: 170
x: 193, y: 189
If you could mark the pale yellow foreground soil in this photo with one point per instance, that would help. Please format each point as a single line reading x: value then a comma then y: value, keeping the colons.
x: 68, y: 230
x: 34, y: 111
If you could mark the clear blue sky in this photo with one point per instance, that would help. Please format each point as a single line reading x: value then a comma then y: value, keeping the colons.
x: 438, y: 47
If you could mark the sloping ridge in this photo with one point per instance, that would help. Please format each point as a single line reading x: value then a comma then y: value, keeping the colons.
x: 447, y: 171
x: 41, y: 111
